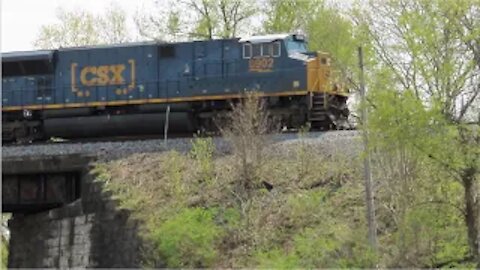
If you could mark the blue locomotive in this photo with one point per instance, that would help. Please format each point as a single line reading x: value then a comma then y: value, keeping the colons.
x: 132, y: 88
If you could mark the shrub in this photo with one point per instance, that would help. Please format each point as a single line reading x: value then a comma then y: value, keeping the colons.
x: 188, y: 239
x: 4, y: 251
x: 246, y: 128
x: 202, y: 152
x: 330, y: 245
x: 276, y: 259
x: 430, y: 235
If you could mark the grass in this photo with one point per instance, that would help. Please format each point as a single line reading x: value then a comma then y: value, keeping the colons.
x: 165, y: 190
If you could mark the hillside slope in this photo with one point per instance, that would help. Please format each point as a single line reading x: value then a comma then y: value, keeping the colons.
x: 299, y: 204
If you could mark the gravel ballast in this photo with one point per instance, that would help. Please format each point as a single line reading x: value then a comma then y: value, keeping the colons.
x: 348, y: 141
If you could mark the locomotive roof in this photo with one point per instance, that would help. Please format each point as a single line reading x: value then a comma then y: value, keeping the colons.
x: 48, y: 54
x: 264, y: 38
x: 27, y: 55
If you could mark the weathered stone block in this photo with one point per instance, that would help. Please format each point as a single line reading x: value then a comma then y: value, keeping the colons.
x: 90, y: 232
x: 79, y: 220
x: 80, y: 239
x: 64, y: 262
x: 54, y: 242
x: 48, y: 262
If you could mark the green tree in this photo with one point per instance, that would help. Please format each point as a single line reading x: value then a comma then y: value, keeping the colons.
x: 75, y: 28
x: 197, y: 19
x: 427, y: 52
x: 413, y: 192
x: 287, y: 16
x: 80, y: 28
x: 112, y: 25
x: 329, y: 28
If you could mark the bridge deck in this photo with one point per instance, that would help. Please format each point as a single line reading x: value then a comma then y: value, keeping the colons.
x: 40, y: 183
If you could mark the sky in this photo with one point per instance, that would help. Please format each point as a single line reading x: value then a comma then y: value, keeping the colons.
x: 21, y: 19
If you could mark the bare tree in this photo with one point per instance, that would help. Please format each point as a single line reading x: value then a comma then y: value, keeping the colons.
x: 246, y: 129
x: 196, y: 19
x: 113, y: 25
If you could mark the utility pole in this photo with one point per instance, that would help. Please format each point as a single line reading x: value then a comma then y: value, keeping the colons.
x: 372, y: 226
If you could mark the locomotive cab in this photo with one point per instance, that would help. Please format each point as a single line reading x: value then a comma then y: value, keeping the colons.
x: 311, y: 74
x: 273, y: 45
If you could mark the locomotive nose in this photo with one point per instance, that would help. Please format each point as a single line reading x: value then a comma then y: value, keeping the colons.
x: 318, y: 72
x: 321, y: 76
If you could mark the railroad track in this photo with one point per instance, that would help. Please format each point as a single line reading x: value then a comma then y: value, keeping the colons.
x: 53, y: 141
x: 117, y: 147
x: 145, y: 137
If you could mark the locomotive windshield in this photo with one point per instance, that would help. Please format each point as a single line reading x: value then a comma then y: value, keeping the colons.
x: 296, y: 43
x: 295, y: 46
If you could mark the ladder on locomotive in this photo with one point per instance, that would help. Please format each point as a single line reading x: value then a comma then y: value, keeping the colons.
x: 318, y: 114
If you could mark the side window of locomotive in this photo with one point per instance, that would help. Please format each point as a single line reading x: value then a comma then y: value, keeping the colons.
x: 257, y: 50
x: 261, y: 49
x: 247, y: 51
x: 266, y: 49
x: 271, y: 49
x: 276, y: 49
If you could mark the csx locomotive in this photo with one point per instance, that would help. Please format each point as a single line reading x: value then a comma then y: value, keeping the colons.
x: 130, y: 89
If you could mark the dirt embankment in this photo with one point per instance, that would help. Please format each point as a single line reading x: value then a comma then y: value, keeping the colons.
x: 298, y: 205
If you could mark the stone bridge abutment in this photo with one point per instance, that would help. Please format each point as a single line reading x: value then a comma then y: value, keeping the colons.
x: 62, y: 218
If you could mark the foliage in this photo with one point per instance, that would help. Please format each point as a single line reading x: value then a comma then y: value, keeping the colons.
x: 439, y: 61
x: 422, y: 60
x: 276, y: 259
x: 431, y: 234
x: 202, y: 152
x: 420, y: 212
x: 246, y: 130
x: 287, y: 16
x: 188, y: 239
x: 4, y: 240
x: 419, y: 108
x: 142, y: 191
x: 4, y: 253
x: 196, y: 19
x: 333, y: 32
x: 80, y: 28
x: 321, y: 239
x: 304, y: 157
x: 168, y: 194
x: 328, y: 28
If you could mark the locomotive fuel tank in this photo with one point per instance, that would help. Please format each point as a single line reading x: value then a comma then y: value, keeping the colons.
x: 117, y: 125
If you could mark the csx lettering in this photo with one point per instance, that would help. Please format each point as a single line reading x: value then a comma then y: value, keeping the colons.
x: 261, y: 64
x: 102, y: 75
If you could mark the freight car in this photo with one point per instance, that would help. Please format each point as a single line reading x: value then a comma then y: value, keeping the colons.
x: 130, y: 89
